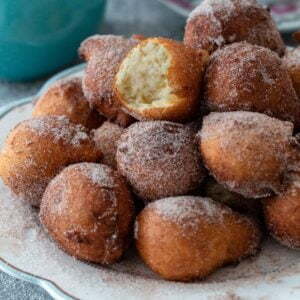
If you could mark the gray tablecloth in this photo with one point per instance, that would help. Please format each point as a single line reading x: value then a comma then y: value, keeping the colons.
x: 126, y: 17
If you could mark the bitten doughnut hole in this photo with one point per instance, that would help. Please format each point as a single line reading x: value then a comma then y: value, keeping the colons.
x: 142, y: 78
x: 160, y: 79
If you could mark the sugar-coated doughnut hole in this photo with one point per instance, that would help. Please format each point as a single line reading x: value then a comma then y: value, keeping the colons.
x: 249, y: 153
x: 159, y: 159
x: 103, y: 54
x: 185, y: 238
x: 88, y: 210
x: 247, y: 77
x: 65, y: 98
x: 215, y: 23
x: 37, y: 149
x: 282, y: 214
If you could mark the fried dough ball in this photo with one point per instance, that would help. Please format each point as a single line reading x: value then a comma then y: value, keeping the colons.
x: 106, y: 138
x: 252, y: 78
x: 37, y: 149
x: 282, y: 214
x: 185, y: 238
x: 215, y: 23
x: 65, y: 98
x: 160, y: 79
x: 88, y: 210
x: 249, y: 153
x: 159, y: 159
x: 219, y: 193
x: 104, y: 55
x: 291, y: 61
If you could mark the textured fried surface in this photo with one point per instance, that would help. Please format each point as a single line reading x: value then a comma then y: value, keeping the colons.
x: 215, y: 23
x: 282, y: 214
x: 87, y: 209
x: 104, y: 55
x: 291, y: 61
x: 185, y: 238
x: 159, y: 159
x: 249, y: 153
x: 65, y: 98
x: 37, y: 149
x: 252, y: 78
x: 106, y: 138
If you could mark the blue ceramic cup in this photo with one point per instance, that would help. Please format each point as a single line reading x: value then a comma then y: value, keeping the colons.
x: 37, y: 37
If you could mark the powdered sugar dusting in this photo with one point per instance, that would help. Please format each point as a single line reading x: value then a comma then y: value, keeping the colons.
x: 188, y: 210
x: 209, y: 7
x: 238, y: 135
x: 163, y: 154
x: 214, y: 23
x: 99, y: 174
x: 250, y: 76
x: 60, y: 128
x: 106, y: 138
x: 292, y: 58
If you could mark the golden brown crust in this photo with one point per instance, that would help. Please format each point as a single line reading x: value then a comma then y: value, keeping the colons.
x: 282, y: 215
x: 250, y: 153
x: 104, y: 55
x: 251, y: 78
x: 291, y: 61
x: 186, y: 238
x: 37, y: 149
x: 65, y: 98
x: 159, y: 159
x: 106, y: 138
x: 88, y: 210
x: 214, y: 24
x: 185, y: 78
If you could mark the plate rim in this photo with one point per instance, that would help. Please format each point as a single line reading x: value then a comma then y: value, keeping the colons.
x: 49, y: 286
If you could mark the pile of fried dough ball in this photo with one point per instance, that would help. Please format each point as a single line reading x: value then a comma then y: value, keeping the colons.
x: 189, y: 148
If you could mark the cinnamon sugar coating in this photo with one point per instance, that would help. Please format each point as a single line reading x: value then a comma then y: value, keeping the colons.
x: 251, y: 78
x: 159, y: 159
x: 106, y: 138
x: 65, y: 98
x: 104, y: 55
x: 87, y: 209
x: 185, y: 238
x: 216, y: 23
x: 37, y: 149
x: 249, y: 153
x: 282, y: 214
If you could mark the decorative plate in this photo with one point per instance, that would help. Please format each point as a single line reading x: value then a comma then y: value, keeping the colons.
x: 26, y: 252
x: 286, y: 15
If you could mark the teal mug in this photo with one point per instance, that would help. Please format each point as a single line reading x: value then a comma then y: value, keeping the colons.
x: 37, y: 37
